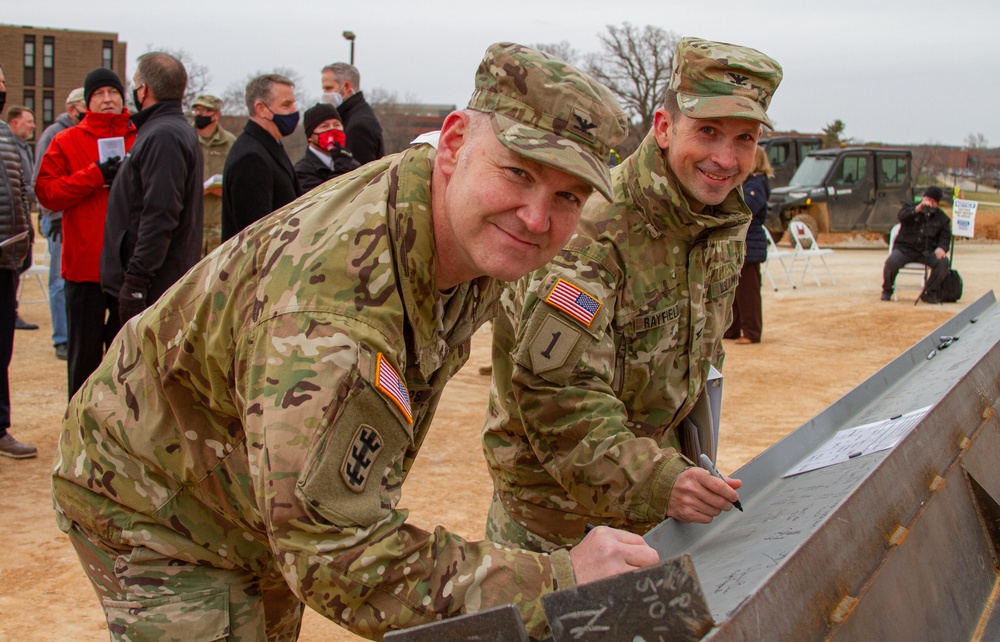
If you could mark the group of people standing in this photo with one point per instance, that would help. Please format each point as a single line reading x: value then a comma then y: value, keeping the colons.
x: 127, y: 201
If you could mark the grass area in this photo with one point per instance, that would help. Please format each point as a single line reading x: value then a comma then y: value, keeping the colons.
x: 991, y: 198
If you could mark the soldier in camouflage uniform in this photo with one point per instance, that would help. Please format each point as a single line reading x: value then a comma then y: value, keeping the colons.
x: 600, y: 355
x: 244, y: 443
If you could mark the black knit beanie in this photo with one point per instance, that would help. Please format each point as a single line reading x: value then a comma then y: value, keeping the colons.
x: 101, y: 77
x: 317, y: 114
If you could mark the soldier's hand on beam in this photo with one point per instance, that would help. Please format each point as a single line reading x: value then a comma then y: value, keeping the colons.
x: 698, y: 497
x: 607, y: 551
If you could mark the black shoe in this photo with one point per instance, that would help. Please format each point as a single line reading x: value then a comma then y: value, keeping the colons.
x: 887, y: 296
x: 930, y: 298
x: 21, y: 324
x: 62, y: 352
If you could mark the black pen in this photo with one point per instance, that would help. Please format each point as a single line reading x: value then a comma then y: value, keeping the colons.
x: 710, y: 467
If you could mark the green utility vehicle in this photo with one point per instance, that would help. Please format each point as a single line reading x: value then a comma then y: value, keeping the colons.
x: 843, y: 190
x: 786, y: 151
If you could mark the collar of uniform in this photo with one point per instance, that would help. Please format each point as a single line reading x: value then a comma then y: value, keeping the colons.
x: 412, y: 236
x: 218, y: 137
x: 657, y: 197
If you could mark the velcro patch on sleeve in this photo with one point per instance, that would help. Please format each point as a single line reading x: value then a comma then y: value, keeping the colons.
x: 360, y: 457
x: 573, y: 301
x: 391, y: 385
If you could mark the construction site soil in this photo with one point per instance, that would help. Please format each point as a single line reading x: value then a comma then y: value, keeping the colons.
x: 819, y: 342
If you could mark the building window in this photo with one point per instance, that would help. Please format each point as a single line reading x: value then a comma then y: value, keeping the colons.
x: 48, y: 61
x: 29, y: 99
x: 108, y: 54
x: 48, y: 109
x: 29, y: 60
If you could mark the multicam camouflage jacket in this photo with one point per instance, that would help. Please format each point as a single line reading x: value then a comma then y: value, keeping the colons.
x: 601, y: 353
x: 264, y: 413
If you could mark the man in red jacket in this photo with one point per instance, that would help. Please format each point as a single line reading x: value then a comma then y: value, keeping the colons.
x: 73, y: 178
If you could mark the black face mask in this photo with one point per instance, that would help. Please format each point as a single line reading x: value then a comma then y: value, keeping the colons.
x: 135, y: 99
x: 3, y: 99
x: 201, y: 122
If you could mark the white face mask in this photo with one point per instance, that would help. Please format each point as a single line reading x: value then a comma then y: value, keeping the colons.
x: 332, y: 98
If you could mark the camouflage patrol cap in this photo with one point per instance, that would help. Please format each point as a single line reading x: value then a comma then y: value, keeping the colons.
x: 546, y: 110
x: 719, y: 80
x: 208, y: 102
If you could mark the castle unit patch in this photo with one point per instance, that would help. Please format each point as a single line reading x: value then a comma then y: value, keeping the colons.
x: 360, y: 457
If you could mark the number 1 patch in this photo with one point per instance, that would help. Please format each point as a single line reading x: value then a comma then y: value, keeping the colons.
x: 552, y: 344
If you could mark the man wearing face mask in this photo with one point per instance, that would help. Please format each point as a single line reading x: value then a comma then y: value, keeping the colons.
x: 153, y: 232
x: 341, y: 88
x: 215, y: 145
x: 258, y: 177
x: 326, y: 156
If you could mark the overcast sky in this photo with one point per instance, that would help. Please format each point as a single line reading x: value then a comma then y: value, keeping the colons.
x: 895, y: 71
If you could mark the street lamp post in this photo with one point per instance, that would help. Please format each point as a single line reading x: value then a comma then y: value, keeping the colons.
x: 349, y: 35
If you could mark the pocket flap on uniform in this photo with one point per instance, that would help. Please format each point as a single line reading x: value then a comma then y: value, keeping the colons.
x: 202, y: 616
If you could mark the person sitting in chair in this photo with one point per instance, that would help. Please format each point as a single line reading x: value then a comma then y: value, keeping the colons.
x: 924, y: 237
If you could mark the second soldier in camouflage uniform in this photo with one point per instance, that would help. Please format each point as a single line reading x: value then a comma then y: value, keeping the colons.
x: 598, y: 356
x: 244, y: 444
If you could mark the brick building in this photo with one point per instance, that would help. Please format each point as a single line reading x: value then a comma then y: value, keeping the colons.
x: 42, y: 65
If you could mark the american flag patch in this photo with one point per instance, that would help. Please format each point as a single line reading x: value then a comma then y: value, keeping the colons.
x: 574, y: 302
x: 389, y: 382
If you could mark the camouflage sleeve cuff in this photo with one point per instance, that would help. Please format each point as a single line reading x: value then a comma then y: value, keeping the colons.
x: 562, y: 569
x: 663, y: 485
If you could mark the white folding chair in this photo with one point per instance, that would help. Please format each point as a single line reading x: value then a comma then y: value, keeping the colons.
x: 39, y: 270
x: 910, y: 269
x: 807, y: 249
x: 774, y: 253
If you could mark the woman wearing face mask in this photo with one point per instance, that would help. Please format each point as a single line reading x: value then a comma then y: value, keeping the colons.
x: 326, y: 156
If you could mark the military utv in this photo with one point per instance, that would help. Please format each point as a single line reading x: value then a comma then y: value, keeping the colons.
x: 844, y: 190
x: 786, y: 152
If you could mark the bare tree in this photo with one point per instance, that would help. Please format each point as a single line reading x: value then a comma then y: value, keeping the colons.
x: 234, y: 98
x: 560, y: 49
x: 833, y: 133
x: 198, y: 76
x: 635, y: 65
x: 976, y: 145
x: 395, y: 116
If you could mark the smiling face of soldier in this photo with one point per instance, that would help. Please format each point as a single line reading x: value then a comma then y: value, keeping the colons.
x: 710, y: 157
x: 501, y: 214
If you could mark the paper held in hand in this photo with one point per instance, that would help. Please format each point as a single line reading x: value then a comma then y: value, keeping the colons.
x: 110, y: 147
x: 215, y: 180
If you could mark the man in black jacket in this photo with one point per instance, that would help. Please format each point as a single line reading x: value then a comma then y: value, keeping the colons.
x: 341, y: 88
x: 258, y: 177
x: 154, y: 225
x: 14, y: 220
x: 326, y: 155
x: 924, y: 237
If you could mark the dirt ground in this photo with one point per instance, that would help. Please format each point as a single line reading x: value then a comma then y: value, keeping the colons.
x: 819, y: 342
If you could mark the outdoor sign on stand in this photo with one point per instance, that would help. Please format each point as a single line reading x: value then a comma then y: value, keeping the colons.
x: 963, y: 218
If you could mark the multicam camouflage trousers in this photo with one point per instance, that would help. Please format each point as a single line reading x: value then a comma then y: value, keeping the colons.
x: 149, y: 597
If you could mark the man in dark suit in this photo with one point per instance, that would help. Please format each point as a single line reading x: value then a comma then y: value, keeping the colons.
x: 326, y: 155
x: 258, y: 178
x: 342, y: 89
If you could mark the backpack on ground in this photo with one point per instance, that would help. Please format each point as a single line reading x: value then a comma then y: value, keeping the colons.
x: 950, y: 289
